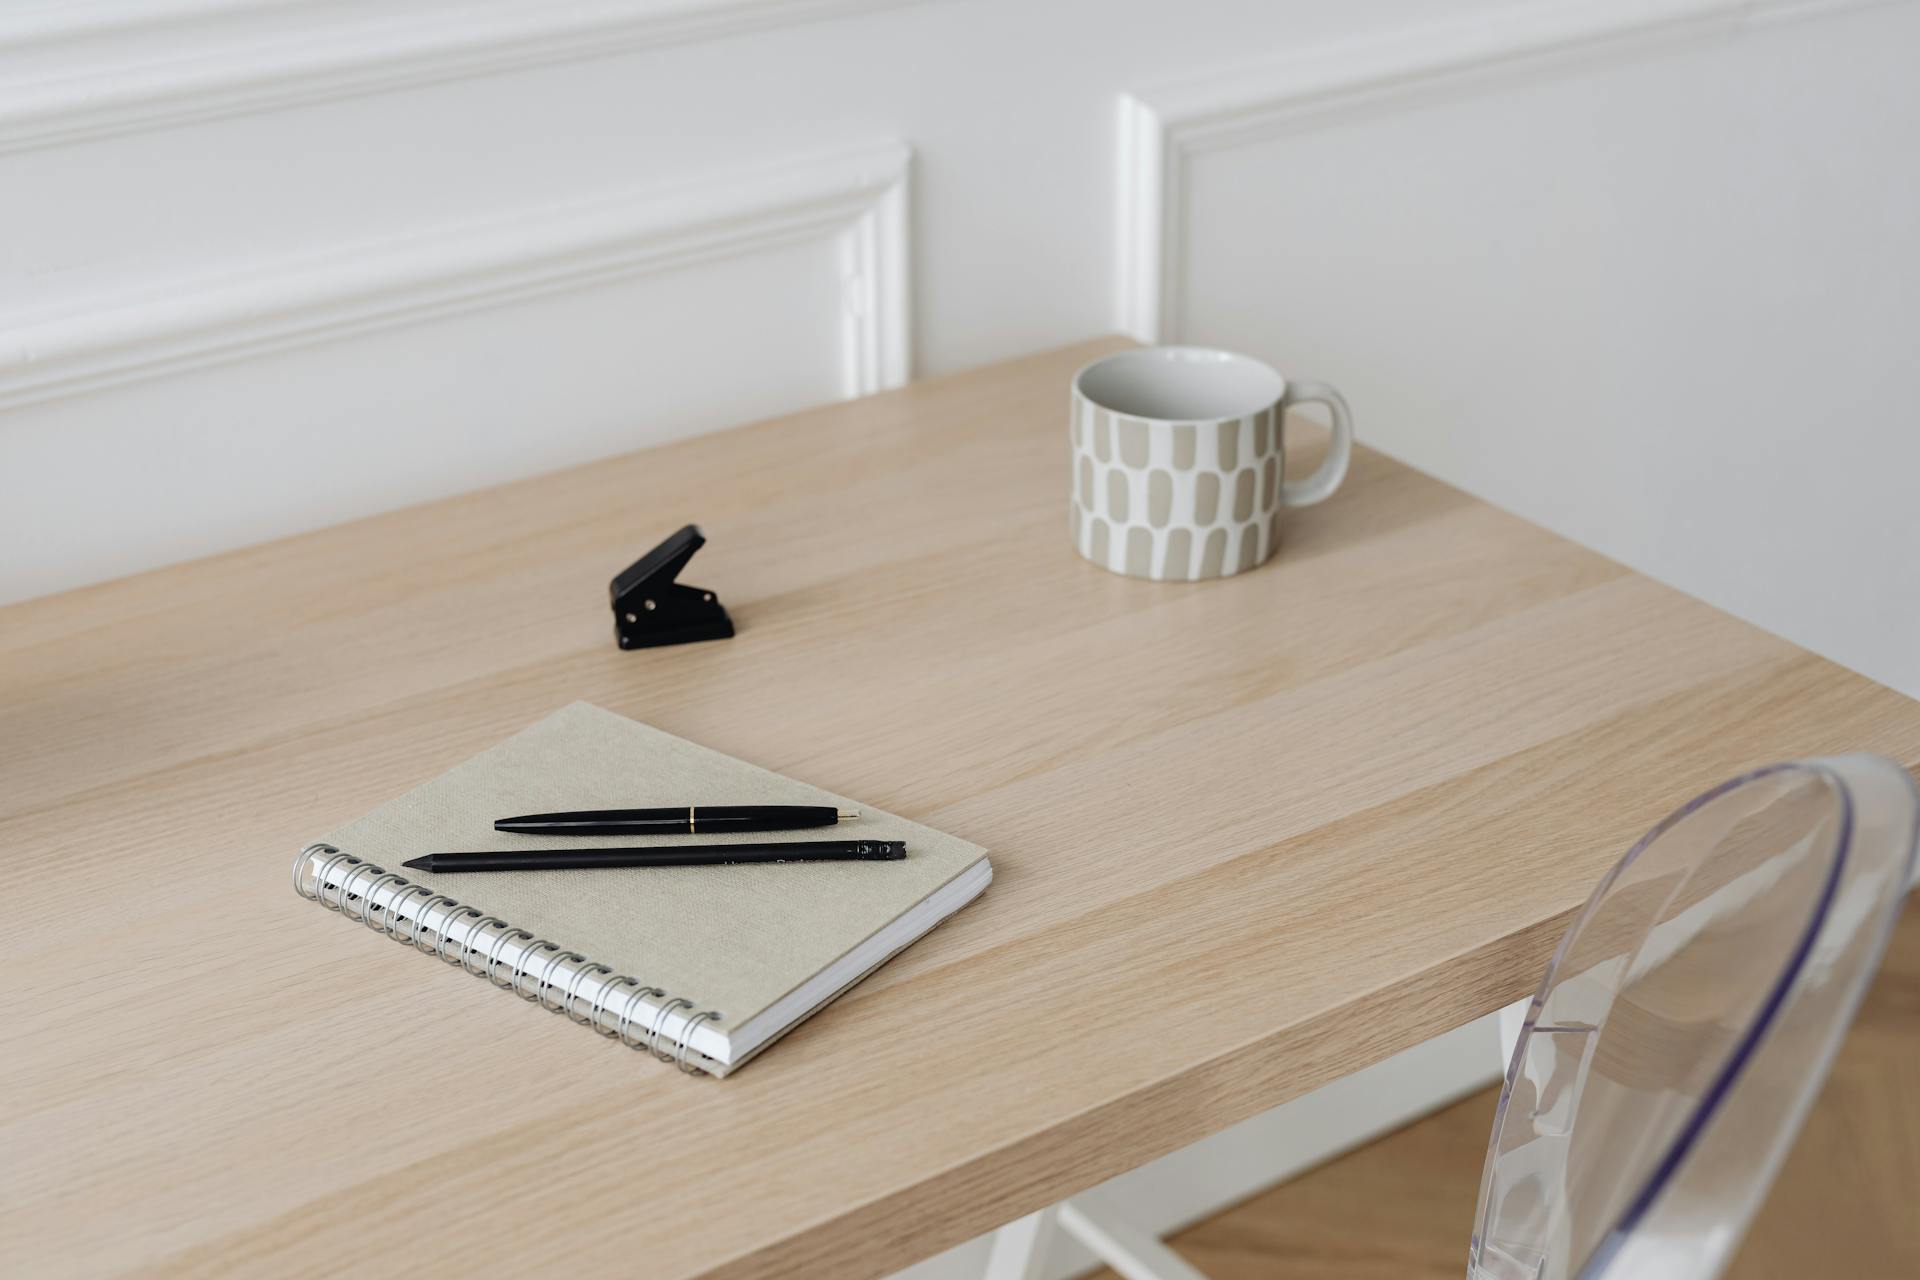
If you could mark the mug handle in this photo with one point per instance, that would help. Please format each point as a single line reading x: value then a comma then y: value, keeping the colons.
x: 1333, y: 468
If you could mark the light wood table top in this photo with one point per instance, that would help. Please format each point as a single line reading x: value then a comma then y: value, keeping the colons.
x: 1249, y: 836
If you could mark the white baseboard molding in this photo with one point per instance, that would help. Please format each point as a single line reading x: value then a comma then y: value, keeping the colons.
x: 313, y: 55
x: 1161, y: 127
x: 860, y: 197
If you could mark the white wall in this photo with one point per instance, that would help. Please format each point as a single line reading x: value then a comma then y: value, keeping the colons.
x: 270, y: 264
x: 1642, y: 270
x: 1646, y: 274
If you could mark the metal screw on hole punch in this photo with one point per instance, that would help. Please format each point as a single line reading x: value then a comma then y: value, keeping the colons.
x: 648, y: 605
x: 633, y: 617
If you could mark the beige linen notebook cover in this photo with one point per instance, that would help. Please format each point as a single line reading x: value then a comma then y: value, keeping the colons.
x: 701, y: 965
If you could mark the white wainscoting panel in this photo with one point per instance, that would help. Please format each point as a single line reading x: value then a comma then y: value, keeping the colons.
x: 859, y: 196
x: 1644, y: 273
x: 1161, y: 129
x: 92, y: 68
x: 230, y: 410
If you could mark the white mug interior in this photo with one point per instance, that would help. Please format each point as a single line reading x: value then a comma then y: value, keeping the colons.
x: 1181, y: 384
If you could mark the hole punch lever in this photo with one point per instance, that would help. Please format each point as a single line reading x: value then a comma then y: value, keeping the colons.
x: 651, y: 609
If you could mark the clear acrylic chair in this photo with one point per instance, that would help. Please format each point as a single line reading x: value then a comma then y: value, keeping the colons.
x: 1680, y: 1035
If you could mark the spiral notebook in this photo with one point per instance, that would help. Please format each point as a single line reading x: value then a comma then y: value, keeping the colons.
x: 701, y: 966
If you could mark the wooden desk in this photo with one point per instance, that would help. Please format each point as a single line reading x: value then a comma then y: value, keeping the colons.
x: 1249, y: 836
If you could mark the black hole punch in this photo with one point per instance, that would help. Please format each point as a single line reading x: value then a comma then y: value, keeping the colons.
x: 650, y: 609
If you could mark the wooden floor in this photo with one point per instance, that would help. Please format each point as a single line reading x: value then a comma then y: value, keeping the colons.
x: 1846, y: 1204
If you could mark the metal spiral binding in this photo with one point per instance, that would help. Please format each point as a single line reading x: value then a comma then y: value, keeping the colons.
x: 660, y: 1016
x: 352, y: 897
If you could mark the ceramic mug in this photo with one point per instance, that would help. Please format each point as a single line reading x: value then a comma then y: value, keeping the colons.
x: 1178, y: 465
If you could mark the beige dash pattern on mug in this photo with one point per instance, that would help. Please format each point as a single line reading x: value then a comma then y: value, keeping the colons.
x: 1184, y: 435
x: 1243, y: 494
x: 1206, y: 497
x: 1177, y: 501
x: 1159, y: 498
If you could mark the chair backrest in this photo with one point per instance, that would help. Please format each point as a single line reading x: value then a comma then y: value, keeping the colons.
x: 1687, y: 1022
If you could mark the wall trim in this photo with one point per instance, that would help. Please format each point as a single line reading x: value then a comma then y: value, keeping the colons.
x: 316, y: 57
x: 1159, y: 129
x: 78, y: 19
x: 857, y: 197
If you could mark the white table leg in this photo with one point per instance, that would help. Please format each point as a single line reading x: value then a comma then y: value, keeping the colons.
x: 1020, y: 1247
x: 1134, y: 1253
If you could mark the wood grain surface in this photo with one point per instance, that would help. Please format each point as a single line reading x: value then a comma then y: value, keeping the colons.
x: 1401, y: 1208
x: 1249, y: 835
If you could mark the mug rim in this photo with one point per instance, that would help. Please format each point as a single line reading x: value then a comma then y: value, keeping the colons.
x: 1162, y: 350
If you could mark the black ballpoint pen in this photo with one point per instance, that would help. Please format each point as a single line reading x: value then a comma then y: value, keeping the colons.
x: 685, y: 855
x: 706, y: 819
